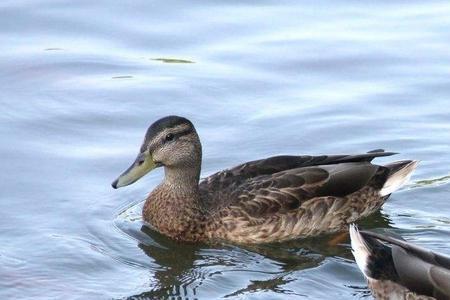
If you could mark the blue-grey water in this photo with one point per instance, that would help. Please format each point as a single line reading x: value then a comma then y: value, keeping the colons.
x: 80, y: 81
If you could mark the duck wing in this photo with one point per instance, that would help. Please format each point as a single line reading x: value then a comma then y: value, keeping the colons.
x: 420, y: 270
x: 226, y: 187
x: 287, y: 190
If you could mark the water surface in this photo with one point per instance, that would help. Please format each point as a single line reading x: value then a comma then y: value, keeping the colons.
x: 81, y: 81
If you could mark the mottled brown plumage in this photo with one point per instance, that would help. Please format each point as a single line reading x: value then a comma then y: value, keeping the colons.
x: 396, y: 269
x: 269, y: 200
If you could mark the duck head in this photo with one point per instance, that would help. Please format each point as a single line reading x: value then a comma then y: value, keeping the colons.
x: 171, y: 142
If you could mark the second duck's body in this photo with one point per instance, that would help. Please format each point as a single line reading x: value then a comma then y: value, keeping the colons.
x: 398, y: 270
x: 269, y: 200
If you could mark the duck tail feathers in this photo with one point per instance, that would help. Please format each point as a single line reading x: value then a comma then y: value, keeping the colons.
x: 399, y: 174
x: 360, y: 249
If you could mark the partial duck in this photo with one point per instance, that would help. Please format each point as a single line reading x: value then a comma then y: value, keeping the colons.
x: 396, y: 269
x: 268, y: 200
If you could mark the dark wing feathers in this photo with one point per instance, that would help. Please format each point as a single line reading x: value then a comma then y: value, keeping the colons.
x: 421, y: 276
x: 347, y: 178
x: 424, y: 254
x: 219, y: 189
x: 441, y: 279
x: 420, y: 270
x: 285, y: 162
x: 412, y: 271
x: 280, y: 193
x: 287, y: 190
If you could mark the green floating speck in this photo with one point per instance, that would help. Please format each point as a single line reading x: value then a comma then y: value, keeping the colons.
x: 434, y: 181
x: 122, y: 77
x: 173, y: 60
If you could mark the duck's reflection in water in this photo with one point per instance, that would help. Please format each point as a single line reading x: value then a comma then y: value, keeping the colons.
x: 189, y: 271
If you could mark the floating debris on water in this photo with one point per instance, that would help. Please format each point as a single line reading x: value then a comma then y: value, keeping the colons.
x: 122, y: 77
x: 173, y: 60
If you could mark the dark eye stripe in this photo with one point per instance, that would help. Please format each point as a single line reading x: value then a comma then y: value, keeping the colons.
x: 176, y: 135
x: 184, y: 132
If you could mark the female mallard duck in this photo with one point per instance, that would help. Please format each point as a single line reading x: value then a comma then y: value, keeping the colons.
x: 396, y: 269
x: 268, y: 200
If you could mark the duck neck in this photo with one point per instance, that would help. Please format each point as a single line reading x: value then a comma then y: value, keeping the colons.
x: 182, y: 180
x: 174, y: 207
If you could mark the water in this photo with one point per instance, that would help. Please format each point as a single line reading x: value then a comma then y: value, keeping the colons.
x: 81, y: 81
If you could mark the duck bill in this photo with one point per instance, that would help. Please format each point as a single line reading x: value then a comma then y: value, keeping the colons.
x: 142, y: 165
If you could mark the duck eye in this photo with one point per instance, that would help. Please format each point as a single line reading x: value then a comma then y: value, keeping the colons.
x: 169, y: 137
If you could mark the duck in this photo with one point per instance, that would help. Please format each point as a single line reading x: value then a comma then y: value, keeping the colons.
x: 397, y: 269
x: 274, y: 199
